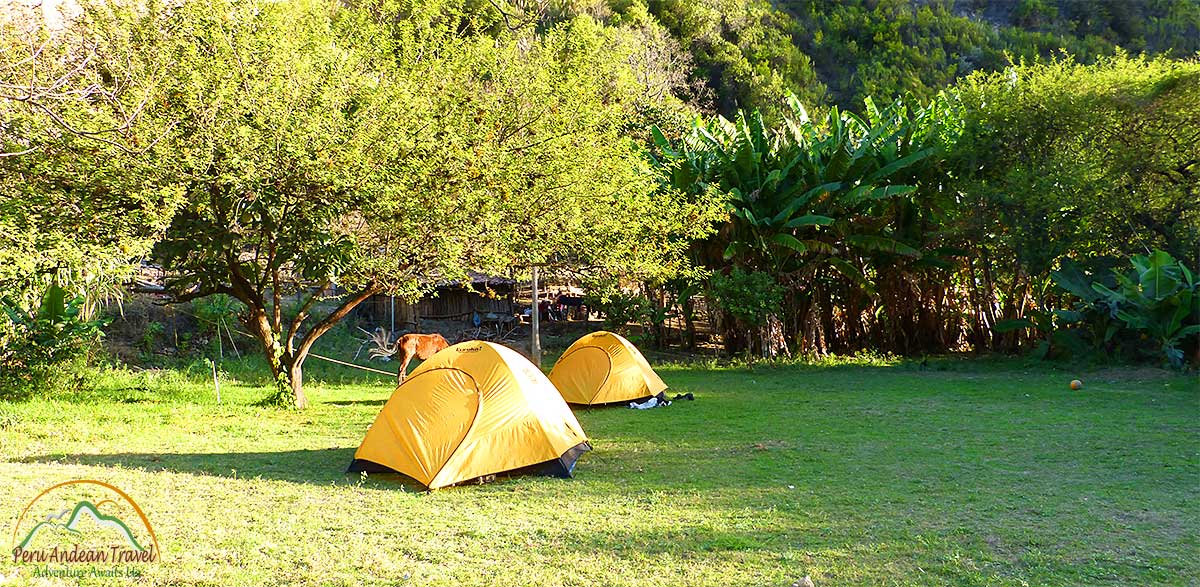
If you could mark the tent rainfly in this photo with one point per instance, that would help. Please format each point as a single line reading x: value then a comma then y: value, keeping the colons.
x: 473, y: 409
x: 603, y: 368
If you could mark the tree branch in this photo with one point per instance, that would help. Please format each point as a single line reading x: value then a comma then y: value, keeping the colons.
x: 179, y: 297
x: 300, y: 316
x: 525, y: 20
x: 333, y: 318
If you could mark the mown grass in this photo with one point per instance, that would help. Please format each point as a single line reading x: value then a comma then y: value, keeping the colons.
x: 882, y: 473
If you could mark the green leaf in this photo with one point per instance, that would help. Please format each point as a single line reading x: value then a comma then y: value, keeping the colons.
x: 798, y: 110
x: 1004, y: 326
x: 1042, y: 350
x: 1187, y: 331
x: 1135, y: 321
x: 1072, y: 280
x: 1160, y: 277
x: 881, y: 244
x: 809, y: 220
x: 789, y: 241
x: 853, y: 273
x: 897, y: 165
x: 863, y: 193
x: 795, y: 204
x: 816, y: 246
x: 1188, y: 280
x: 734, y: 249
x: 53, y: 303
x: 1111, y: 331
x: 1109, y: 294
x: 664, y: 145
x: 934, y: 262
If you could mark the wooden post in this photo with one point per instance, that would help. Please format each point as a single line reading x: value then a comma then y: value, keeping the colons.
x: 232, y: 343
x: 535, y: 342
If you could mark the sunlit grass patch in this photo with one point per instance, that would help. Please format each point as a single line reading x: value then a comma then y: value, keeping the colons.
x: 867, y: 472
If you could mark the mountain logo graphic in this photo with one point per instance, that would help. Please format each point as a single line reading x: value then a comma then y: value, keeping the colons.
x: 70, y: 534
x: 82, y: 509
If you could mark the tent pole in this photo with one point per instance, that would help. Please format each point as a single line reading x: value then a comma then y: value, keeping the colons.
x: 535, y: 342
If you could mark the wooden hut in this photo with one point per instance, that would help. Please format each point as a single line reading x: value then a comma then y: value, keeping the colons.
x: 455, y: 300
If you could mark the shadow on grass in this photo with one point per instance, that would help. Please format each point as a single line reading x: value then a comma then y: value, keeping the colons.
x: 319, y: 467
x: 357, y: 402
x: 314, y: 467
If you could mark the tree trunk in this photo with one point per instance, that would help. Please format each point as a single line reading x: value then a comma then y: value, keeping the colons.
x: 828, y: 329
x: 535, y: 317
x: 287, y: 362
x: 856, y: 334
x: 771, y: 340
x: 814, y: 335
x: 804, y: 330
x: 989, y: 307
x: 278, y: 361
x: 296, y: 379
x: 285, y: 370
x: 980, y: 337
x: 652, y: 321
x: 296, y: 358
x: 766, y: 340
x: 733, y: 334
x: 689, y: 323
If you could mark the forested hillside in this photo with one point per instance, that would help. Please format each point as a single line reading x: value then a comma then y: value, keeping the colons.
x: 751, y: 53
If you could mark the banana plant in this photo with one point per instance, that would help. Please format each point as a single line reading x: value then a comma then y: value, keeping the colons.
x: 799, y: 189
x: 53, y: 331
x: 808, y: 200
x: 1159, y: 297
x: 1093, y: 310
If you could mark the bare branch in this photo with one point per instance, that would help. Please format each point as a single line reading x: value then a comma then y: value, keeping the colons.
x: 18, y: 153
x: 310, y: 337
x: 302, y: 315
x: 515, y: 22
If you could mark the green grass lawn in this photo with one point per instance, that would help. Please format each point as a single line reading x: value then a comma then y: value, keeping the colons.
x: 977, y: 473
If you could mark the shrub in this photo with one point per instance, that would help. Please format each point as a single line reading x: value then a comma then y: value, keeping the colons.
x: 748, y: 296
x: 619, y: 308
x: 1154, y: 307
x: 44, y: 348
x: 1160, y: 298
x: 216, y: 312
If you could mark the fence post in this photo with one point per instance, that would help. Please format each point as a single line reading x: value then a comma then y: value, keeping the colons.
x: 535, y: 343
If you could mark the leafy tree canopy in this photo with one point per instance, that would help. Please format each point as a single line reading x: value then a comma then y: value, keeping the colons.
x: 378, y: 152
x: 82, y: 155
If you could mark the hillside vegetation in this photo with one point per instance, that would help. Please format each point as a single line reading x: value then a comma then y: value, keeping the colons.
x: 750, y: 53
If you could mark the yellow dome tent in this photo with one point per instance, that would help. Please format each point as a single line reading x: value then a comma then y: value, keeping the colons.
x: 603, y: 368
x: 473, y: 409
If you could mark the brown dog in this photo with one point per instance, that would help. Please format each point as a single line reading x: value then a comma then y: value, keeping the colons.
x: 421, y: 346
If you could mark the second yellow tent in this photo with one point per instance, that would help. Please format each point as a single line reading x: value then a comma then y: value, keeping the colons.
x: 603, y: 368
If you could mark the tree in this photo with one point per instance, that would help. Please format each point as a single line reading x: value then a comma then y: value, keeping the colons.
x: 377, y: 152
x: 743, y: 51
x: 81, y: 151
x: 1064, y: 160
